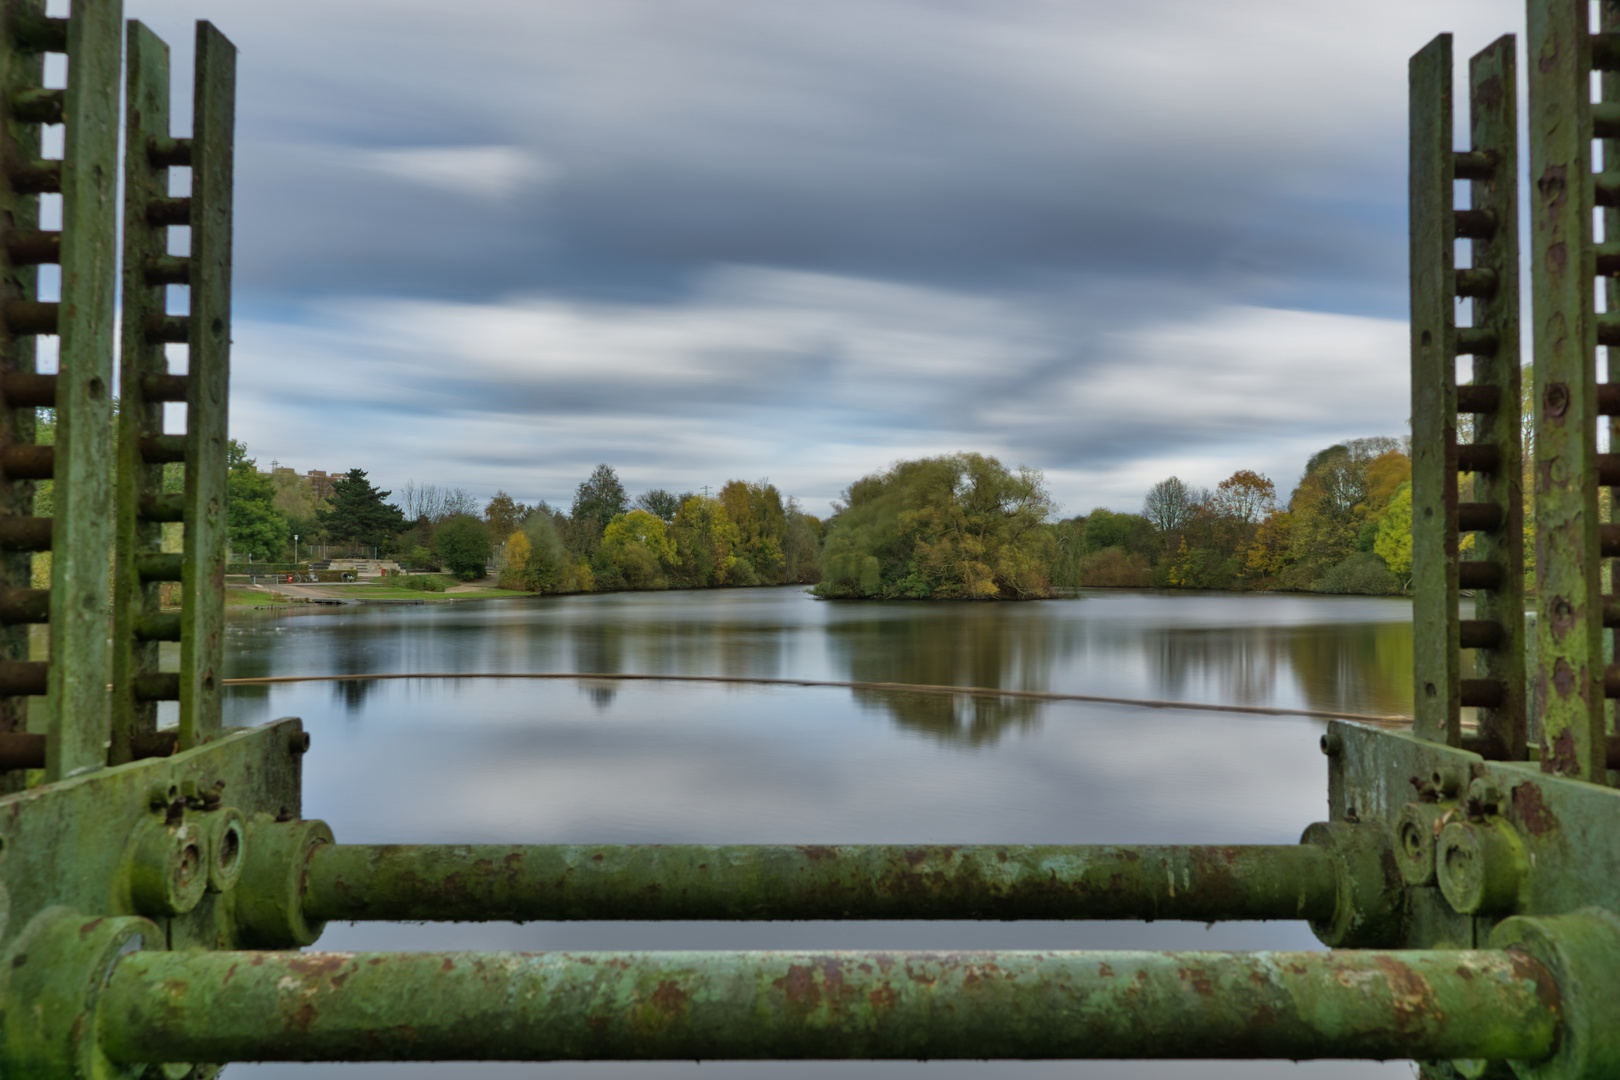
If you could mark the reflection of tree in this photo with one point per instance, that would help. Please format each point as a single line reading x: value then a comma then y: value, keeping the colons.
x: 1337, y: 667
x: 978, y: 646
x: 1354, y: 667
x: 599, y: 648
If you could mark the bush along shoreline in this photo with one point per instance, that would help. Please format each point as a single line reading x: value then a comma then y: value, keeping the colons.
x: 954, y: 527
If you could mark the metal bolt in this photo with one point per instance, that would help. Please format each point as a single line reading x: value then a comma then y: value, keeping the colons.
x: 1480, y: 866
x: 1332, y: 744
x: 1415, y: 832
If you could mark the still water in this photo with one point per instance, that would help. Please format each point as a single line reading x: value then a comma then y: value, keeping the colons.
x: 575, y: 761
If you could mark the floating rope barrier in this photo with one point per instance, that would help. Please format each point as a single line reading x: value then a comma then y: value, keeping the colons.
x: 1391, y: 720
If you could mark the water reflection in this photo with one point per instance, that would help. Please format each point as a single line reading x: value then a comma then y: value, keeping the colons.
x: 972, y: 645
x: 1322, y: 653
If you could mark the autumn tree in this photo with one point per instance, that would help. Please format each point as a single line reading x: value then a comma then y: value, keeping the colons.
x: 503, y: 514
x: 704, y: 535
x: 637, y: 545
x: 1246, y: 496
x: 957, y: 527
x: 757, y: 511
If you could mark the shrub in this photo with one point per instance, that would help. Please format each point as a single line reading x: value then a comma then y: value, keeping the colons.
x: 463, y: 544
x: 422, y: 582
x: 1113, y: 568
x: 1363, y: 573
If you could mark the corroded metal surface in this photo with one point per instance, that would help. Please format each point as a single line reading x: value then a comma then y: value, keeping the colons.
x: 551, y: 1006
x: 1569, y: 619
x: 21, y: 74
x: 692, y: 881
x: 208, y: 348
x: 1436, y: 658
x: 137, y: 599
x: 79, y: 717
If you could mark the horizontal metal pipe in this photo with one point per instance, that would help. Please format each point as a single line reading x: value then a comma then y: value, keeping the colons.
x: 1477, y: 574
x: 21, y: 750
x: 1474, y: 224
x: 1480, y: 516
x: 25, y: 533
x: 164, y: 387
x: 1480, y: 282
x: 1480, y: 633
x: 478, y: 883
x: 277, y: 1006
x: 1481, y: 693
x: 38, y: 106
x: 28, y: 461
x: 163, y: 506
x: 173, y: 329
x: 34, y: 248
x: 1474, y: 398
x: 24, y: 678
x: 23, y: 388
x: 1478, y: 457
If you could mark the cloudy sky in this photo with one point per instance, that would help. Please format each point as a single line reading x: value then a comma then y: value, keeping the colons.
x: 493, y: 245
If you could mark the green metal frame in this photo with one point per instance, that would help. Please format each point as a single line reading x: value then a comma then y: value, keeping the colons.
x: 1492, y: 459
x: 139, y: 625
x: 155, y: 887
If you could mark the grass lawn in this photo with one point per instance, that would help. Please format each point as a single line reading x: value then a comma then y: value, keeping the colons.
x: 251, y: 598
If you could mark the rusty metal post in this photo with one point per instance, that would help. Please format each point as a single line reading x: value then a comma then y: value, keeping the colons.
x: 145, y: 384
x: 208, y: 344
x: 1606, y: 125
x: 79, y: 716
x: 223, y: 1006
x: 1569, y: 620
x: 143, y: 506
x: 23, y: 246
x: 1435, y: 633
x: 1495, y: 517
x: 696, y: 881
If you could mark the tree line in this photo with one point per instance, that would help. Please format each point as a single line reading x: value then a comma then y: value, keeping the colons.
x: 1346, y: 528
x: 959, y: 526
x: 744, y: 534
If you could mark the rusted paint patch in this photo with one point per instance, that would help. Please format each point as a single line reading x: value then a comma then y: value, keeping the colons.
x: 1561, y: 760
x: 1533, y: 813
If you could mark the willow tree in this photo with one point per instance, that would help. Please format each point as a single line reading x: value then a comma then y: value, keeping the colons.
x: 959, y: 527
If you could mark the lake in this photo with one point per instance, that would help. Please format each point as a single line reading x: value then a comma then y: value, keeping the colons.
x: 577, y: 761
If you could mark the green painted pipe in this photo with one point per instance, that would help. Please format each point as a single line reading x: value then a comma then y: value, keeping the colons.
x: 274, y: 1006
x: 689, y: 881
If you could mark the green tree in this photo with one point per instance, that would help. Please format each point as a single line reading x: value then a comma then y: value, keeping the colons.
x: 550, y: 567
x: 660, y: 503
x: 462, y: 543
x: 257, y: 528
x: 957, y: 527
x: 704, y: 536
x: 1394, y: 543
x: 637, y: 545
x: 761, y: 520
x: 599, y: 499
x: 358, y: 514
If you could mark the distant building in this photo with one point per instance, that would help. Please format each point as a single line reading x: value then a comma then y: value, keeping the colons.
x: 320, y: 482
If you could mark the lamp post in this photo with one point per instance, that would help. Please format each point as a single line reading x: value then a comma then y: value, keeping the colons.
x: 295, y: 549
